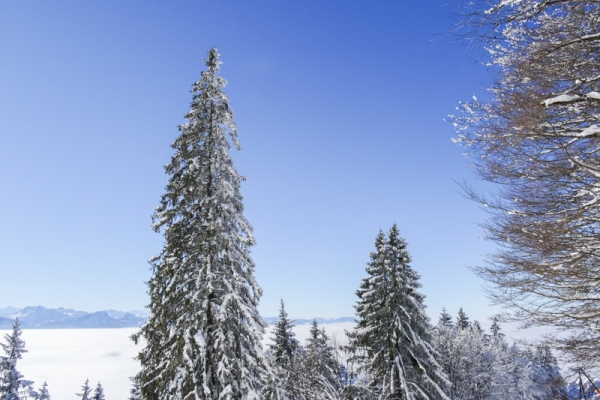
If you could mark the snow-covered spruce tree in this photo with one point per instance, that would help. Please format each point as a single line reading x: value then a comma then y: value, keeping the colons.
x: 465, y: 358
x: 12, y: 384
x: 445, y: 319
x: 44, y: 394
x: 462, y: 321
x: 319, y: 366
x: 484, y: 366
x: 204, y: 330
x: 86, y: 391
x: 99, y: 393
x: 285, y: 345
x: 135, y: 392
x: 284, y: 356
x: 393, y: 328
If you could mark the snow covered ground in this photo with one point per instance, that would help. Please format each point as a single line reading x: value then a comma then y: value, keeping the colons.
x: 65, y: 358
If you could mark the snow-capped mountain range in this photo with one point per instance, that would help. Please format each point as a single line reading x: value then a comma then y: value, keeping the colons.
x: 55, y: 318
x: 39, y: 317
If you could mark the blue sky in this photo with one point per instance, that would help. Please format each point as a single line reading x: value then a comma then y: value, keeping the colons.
x: 340, y: 108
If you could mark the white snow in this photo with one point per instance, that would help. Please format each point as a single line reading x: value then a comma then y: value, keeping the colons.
x: 563, y: 98
x: 593, y: 95
x: 590, y: 131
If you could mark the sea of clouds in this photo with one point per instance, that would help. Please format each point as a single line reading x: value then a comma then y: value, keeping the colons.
x: 65, y: 358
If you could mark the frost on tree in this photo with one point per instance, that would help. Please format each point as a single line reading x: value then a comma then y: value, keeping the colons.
x: 135, y: 392
x: 44, y: 394
x: 203, y: 333
x: 392, y: 326
x: 319, y: 367
x: 481, y: 366
x: 284, y: 356
x: 99, y: 393
x: 536, y: 136
x: 285, y: 346
x: 12, y: 384
x: 86, y: 391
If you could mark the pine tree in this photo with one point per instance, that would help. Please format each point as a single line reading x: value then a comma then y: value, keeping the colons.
x: 462, y: 321
x: 495, y: 329
x: 44, y: 393
x: 320, y: 368
x: 445, y: 319
x: 284, y: 354
x: 135, y: 392
x: 86, y: 391
x: 476, y: 326
x: 393, y: 328
x: 548, y: 377
x: 465, y: 360
x: 285, y: 345
x: 12, y: 384
x: 204, y: 330
x: 98, y: 393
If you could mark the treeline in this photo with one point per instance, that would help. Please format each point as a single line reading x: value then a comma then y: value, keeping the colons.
x: 477, y: 364
x: 395, y: 353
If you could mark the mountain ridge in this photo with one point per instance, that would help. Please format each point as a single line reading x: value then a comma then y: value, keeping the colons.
x: 39, y: 317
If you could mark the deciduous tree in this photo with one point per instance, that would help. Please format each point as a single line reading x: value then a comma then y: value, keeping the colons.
x: 537, y: 137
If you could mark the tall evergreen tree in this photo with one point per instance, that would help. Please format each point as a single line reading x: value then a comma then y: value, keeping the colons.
x: 203, y: 336
x: 393, y: 328
x: 12, y: 384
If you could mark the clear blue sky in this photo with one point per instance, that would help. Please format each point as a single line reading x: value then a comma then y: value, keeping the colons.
x: 340, y: 107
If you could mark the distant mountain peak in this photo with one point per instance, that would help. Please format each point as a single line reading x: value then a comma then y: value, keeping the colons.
x: 39, y: 317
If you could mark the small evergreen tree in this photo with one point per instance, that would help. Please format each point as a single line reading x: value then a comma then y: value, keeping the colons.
x: 203, y: 336
x: 320, y: 368
x: 86, y: 391
x: 98, y: 393
x: 135, y: 393
x: 495, y: 329
x: 445, y: 319
x: 393, y: 328
x: 548, y: 377
x: 12, y: 384
x: 44, y: 393
x: 284, y: 356
x: 462, y: 321
x: 476, y: 326
x: 285, y: 345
